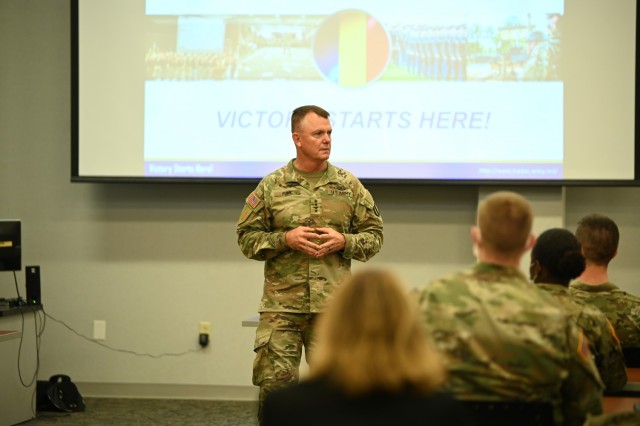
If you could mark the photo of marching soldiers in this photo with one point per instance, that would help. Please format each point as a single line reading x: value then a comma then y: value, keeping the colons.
x: 517, y: 48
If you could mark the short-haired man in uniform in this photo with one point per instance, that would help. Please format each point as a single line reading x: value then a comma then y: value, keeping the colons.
x: 306, y: 221
x: 599, y: 236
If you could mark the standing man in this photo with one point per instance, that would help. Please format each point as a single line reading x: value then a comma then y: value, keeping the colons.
x: 505, y: 340
x: 599, y: 236
x: 306, y: 220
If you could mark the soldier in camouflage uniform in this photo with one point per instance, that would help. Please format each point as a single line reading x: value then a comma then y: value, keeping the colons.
x: 307, y: 221
x: 556, y: 260
x: 599, y: 237
x: 505, y: 340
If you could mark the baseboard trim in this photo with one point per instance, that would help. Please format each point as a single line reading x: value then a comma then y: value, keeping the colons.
x: 167, y: 391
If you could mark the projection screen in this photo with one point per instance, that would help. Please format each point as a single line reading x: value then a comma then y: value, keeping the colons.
x: 438, y: 91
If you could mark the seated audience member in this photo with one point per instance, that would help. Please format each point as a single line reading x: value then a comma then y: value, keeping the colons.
x: 371, y: 365
x: 556, y: 260
x: 505, y: 340
x: 598, y: 235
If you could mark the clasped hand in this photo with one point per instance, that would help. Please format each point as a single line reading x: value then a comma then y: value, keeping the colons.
x: 316, y: 242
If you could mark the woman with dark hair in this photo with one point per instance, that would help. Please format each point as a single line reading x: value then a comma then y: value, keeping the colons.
x: 556, y: 259
x: 371, y: 365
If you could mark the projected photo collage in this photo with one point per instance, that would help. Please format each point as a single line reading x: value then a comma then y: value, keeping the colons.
x: 423, y: 92
x: 514, y: 48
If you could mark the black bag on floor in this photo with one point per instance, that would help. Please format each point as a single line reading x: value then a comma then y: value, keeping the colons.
x: 59, y: 393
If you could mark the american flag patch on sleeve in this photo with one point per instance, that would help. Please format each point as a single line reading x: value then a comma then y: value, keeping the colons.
x: 253, y: 200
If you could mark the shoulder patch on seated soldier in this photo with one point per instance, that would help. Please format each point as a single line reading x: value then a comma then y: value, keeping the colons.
x: 613, y: 332
x: 583, y: 348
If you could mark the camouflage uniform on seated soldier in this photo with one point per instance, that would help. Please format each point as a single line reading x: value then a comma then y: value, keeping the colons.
x: 504, y: 339
x: 555, y: 260
x: 599, y: 237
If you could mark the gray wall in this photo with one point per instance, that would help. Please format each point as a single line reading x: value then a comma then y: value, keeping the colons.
x: 154, y: 260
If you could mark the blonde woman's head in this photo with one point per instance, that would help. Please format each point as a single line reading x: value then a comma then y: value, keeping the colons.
x: 372, y: 337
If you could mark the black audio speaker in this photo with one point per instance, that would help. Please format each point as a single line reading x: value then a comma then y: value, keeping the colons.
x: 33, y: 285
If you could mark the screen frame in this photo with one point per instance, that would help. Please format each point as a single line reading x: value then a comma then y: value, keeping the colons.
x: 76, y: 177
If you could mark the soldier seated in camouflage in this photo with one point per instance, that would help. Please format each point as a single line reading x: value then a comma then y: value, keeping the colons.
x: 599, y: 237
x: 556, y: 260
x: 504, y: 339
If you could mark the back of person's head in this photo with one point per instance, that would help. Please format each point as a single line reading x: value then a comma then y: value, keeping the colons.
x: 372, y: 337
x: 301, y: 112
x: 505, y: 219
x: 557, y: 254
x: 599, y: 237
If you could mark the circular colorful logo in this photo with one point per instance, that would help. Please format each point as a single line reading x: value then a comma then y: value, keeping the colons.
x: 351, y: 48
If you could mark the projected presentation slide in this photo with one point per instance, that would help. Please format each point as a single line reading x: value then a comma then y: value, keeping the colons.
x: 450, y: 89
x: 438, y: 90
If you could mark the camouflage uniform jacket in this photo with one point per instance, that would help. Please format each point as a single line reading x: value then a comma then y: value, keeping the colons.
x: 504, y: 339
x: 283, y: 200
x: 622, y: 308
x: 603, y: 342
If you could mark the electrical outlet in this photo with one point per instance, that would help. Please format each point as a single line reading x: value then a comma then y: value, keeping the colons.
x: 204, y: 331
x: 205, y: 328
x: 99, y: 330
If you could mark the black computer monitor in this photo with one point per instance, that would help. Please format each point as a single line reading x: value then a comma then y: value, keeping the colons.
x: 10, y: 245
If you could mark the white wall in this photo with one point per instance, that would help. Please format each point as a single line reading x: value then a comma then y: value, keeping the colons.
x: 153, y: 260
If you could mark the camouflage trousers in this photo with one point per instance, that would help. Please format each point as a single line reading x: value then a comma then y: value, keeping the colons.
x: 280, y: 338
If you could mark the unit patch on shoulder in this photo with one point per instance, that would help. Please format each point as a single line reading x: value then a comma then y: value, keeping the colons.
x: 244, y: 215
x: 583, y: 348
